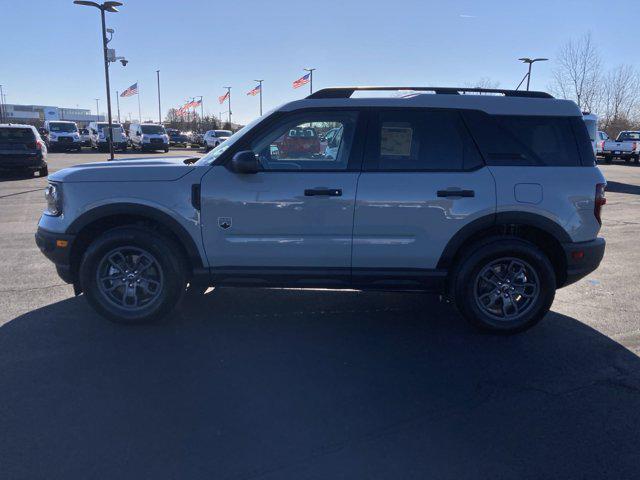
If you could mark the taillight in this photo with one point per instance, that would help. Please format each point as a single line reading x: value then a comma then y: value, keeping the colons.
x: 38, y: 145
x: 600, y: 200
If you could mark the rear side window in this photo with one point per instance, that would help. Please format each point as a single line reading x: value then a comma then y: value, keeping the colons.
x: 525, y: 140
x: 420, y: 140
x: 16, y: 135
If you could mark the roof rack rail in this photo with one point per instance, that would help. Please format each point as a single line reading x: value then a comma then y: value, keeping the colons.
x: 346, y: 92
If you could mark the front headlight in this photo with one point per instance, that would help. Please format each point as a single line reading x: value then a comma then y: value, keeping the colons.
x: 53, y: 196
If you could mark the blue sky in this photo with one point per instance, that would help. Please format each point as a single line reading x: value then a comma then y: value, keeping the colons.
x: 50, y: 49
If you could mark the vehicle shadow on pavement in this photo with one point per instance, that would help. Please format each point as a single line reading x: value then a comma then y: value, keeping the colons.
x: 618, y: 187
x: 279, y: 384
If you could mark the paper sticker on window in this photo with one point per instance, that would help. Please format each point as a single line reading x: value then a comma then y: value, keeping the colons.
x: 396, y: 141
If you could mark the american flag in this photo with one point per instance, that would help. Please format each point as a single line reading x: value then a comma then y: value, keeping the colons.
x: 254, y: 91
x: 196, y: 103
x: 132, y: 90
x: 222, y: 98
x: 302, y: 80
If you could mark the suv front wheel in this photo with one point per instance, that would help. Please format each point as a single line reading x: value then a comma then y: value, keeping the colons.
x: 132, y: 275
x: 504, y: 285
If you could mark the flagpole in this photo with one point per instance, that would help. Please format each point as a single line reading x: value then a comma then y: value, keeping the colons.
x: 139, y: 111
x: 159, y: 108
x: 260, y: 86
x: 118, y: 103
x: 310, y: 70
x: 229, y: 103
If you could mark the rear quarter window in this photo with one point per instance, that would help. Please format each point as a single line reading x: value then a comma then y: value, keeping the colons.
x: 518, y: 140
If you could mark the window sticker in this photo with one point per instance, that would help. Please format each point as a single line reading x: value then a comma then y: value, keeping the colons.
x: 396, y: 141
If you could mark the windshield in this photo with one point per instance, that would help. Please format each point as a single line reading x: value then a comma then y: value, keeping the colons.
x: 624, y: 136
x: 154, y: 129
x: 223, y: 133
x: 115, y: 126
x: 220, y: 149
x: 63, y: 127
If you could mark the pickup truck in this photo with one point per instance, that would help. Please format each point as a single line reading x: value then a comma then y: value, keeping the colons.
x: 626, y: 146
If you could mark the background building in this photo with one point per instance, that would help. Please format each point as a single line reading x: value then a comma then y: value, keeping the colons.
x: 37, y: 114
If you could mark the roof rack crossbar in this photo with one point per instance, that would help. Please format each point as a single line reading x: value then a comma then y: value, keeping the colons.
x: 347, y: 92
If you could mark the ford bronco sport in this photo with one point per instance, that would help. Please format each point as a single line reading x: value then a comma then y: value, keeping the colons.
x: 490, y: 197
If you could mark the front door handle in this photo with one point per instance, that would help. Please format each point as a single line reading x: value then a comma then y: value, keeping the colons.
x: 456, y: 193
x: 323, y: 192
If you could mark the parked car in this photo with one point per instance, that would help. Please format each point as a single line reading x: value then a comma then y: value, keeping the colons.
x: 196, y: 139
x: 148, y: 136
x: 601, y: 137
x: 626, y: 147
x: 465, y: 195
x: 62, y: 135
x: 85, y: 138
x: 302, y: 141
x: 22, y: 150
x: 99, y: 136
x: 213, y: 138
x: 177, y: 138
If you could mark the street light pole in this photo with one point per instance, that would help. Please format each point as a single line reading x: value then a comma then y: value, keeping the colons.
x: 159, y: 108
x: 2, y: 112
x: 97, y: 109
x: 105, y: 7
x: 310, y: 70
x: 530, y: 62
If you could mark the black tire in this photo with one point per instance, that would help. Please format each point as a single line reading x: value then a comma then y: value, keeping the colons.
x: 466, y: 285
x: 169, y: 269
x: 44, y: 171
x: 607, y: 159
x: 166, y: 150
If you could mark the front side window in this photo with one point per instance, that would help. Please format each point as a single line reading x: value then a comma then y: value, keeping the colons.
x: 420, y: 140
x: 300, y: 142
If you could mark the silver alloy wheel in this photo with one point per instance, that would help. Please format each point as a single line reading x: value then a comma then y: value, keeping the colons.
x: 506, y: 289
x: 129, y: 278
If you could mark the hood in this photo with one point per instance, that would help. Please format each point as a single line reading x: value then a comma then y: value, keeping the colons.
x: 163, y: 169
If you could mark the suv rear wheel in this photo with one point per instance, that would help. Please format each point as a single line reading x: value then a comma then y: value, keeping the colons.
x: 504, y: 285
x: 132, y: 275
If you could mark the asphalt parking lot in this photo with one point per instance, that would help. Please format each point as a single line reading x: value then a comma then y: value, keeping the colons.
x: 276, y: 384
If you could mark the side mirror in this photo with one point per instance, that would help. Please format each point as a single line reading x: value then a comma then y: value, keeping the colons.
x: 244, y: 162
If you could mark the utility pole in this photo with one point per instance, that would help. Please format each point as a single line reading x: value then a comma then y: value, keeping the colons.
x: 97, y: 109
x: 159, y: 108
x: 310, y: 70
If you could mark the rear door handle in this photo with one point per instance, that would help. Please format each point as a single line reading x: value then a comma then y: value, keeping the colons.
x: 323, y: 192
x: 456, y: 193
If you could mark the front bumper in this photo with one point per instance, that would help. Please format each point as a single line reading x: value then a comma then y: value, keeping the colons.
x: 70, y: 145
x: 57, y: 248
x: 104, y: 146
x: 154, y: 146
x: 582, y: 258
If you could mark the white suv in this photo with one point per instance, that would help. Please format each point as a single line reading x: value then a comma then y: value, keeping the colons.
x: 492, y: 200
x: 213, y: 138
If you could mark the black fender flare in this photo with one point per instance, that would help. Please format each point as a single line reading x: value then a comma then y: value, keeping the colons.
x: 145, y: 211
x: 502, y: 218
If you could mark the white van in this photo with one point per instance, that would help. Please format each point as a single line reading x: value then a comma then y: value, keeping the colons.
x: 148, y: 136
x: 62, y: 135
x: 99, y: 133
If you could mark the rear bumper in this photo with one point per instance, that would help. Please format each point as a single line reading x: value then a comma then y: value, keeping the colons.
x: 582, y: 258
x: 16, y: 162
x: 610, y: 153
x: 51, y: 246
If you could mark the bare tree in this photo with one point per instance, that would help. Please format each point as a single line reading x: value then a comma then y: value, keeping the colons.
x: 484, y: 82
x: 578, y: 73
x: 621, y: 88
